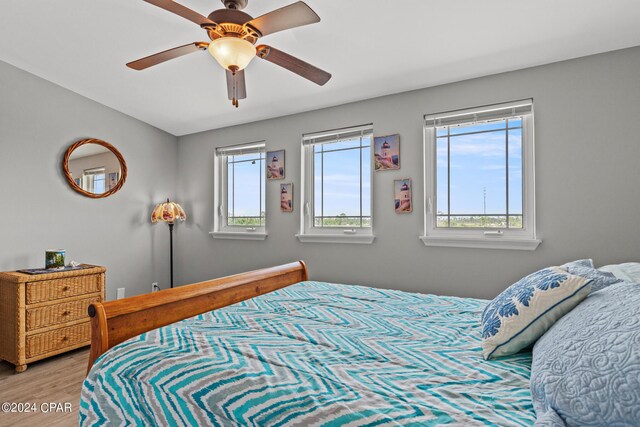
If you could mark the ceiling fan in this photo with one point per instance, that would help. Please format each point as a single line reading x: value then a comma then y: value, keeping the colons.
x: 233, y: 35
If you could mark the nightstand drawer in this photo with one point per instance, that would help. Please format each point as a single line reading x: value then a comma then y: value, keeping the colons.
x: 48, y: 342
x: 58, y: 313
x: 49, y: 290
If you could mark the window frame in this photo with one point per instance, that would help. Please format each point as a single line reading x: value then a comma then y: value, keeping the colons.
x: 309, y: 232
x: 89, y: 176
x: 524, y: 238
x: 221, y: 228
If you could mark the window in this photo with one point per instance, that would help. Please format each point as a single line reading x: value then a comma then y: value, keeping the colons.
x: 240, y: 192
x: 336, y: 190
x: 93, y: 180
x: 479, y: 178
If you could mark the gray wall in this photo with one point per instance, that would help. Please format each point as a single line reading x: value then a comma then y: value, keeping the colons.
x: 38, y: 120
x: 587, y: 151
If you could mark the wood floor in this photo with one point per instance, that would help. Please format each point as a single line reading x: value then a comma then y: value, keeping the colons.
x: 55, y: 380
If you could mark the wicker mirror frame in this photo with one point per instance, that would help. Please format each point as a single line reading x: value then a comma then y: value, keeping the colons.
x: 114, y: 150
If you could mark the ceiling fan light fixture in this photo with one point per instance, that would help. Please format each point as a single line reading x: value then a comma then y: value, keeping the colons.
x: 232, y: 53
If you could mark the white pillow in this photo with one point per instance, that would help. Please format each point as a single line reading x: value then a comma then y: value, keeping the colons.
x: 518, y: 316
x: 629, y: 271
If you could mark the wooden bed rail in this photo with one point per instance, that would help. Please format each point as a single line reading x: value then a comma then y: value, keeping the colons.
x: 116, y: 321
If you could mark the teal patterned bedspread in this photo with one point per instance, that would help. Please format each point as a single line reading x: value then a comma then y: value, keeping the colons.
x: 313, y: 354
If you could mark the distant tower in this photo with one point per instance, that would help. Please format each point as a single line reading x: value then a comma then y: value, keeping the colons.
x: 484, y: 190
x: 484, y: 203
x: 284, y: 196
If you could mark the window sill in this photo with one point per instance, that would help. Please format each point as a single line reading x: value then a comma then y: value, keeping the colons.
x: 482, y: 243
x: 239, y: 235
x: 362, y: 239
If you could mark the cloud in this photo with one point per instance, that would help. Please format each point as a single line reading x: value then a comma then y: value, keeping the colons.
x: 345, y: 181
x: 483, y: 145
x: 478, y: 149
x: 342, y: 178
x: 493, y: 167
x: 335, y: 195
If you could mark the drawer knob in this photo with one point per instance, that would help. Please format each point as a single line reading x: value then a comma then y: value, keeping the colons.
x: 65, y: 338
x: 65, y: 289
x: 65, y: 313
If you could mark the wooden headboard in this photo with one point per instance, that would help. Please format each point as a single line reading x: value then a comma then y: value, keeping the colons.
x: 116, y: 321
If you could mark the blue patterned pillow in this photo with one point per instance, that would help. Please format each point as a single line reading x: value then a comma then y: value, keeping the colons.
x: 587, y: 262
x: 585, y: 268
x: 586, y: 368
x: 527, y: 309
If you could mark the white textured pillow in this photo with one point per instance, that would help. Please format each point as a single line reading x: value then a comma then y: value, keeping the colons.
x: 518, y: 316
x: 629, y: 271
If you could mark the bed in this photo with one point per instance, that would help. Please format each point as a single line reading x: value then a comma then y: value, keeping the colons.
x: 299, y: 353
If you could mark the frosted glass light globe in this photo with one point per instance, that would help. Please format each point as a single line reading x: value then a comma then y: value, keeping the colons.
x: 232, y: 53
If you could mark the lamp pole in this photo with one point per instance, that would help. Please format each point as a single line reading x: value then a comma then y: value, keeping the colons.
x: 168, y: 213
x: 171, y: 250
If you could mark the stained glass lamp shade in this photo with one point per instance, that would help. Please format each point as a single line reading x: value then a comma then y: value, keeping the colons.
x: 168, y: 212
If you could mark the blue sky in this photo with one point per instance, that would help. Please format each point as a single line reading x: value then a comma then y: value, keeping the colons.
x: 247, y: 186
x: 341, y: 193
x: 478, y: 162
x: 341, y: 182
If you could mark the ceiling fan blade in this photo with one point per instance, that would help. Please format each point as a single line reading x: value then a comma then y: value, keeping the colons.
x: 161, y: 57
x: 236, y: 87
x: 294, y: 15
x: 293, y: 64
x: 181, y: 10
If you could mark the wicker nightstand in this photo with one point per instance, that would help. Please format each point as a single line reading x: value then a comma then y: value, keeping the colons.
x: 44, y: 315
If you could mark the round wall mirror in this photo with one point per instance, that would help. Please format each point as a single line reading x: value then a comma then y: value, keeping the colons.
x: 94, y: 168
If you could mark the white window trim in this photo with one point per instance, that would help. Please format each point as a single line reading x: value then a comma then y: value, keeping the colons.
x: 239, y: 235
x: 220, y: 228
x: 518, y: 239
x: 362, y: 239
x: 308, y: 232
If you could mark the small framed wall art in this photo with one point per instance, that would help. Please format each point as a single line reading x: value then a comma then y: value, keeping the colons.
x: 113, y: 180
x: 386, y: 150
x: 275, y: 164
x: 286, y: 197
x: 402, y: 195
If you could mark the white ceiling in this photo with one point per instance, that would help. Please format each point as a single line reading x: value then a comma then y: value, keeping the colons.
x: 372, y: 48
x: 88, y: 150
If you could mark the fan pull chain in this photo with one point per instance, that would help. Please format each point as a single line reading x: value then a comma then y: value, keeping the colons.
x: 234, y: 90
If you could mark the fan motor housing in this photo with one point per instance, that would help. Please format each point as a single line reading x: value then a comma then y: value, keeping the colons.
x: 229, y: 24
x: 231, y: 16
